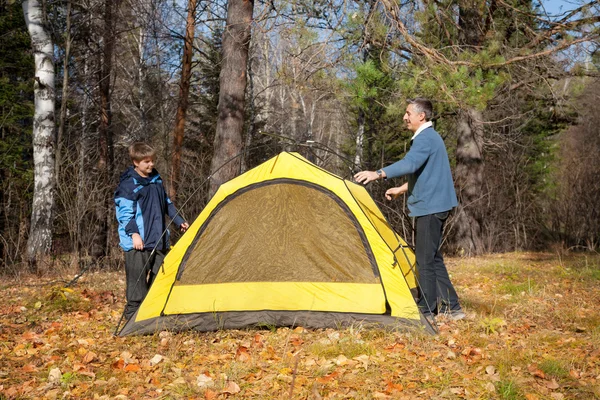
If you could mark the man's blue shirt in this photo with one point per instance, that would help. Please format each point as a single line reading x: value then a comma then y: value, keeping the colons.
x: 430, y: 185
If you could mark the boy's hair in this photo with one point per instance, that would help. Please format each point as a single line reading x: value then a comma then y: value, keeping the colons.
x: 140, y: 150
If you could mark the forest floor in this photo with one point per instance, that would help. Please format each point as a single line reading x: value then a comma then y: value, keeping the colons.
x: 532, y: 332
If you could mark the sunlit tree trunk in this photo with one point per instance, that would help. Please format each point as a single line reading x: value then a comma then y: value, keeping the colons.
x: 40, y: 234
x: 232, y: 89
x: 469, y: 182
x: 184, y: 90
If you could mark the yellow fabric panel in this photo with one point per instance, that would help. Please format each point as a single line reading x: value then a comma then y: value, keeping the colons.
x: 405, y: 258
x: 293, y: 296
x: 293, y: 166
x: 278, y: 232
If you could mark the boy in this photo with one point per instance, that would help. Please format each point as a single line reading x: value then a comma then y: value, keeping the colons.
x: 142, y: 203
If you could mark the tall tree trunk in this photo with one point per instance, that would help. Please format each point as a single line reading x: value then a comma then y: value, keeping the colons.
x: 184, y: 90
x: 469, y: 148
x: 469, y: 182
x: 40, y: 235
x: 105, y: 139
x: 252, y: 122
x: 65, y: 94
x: 3, y: 262
x: 232, y: 88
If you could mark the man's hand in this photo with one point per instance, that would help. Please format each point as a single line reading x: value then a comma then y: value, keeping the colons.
x: 394, y: 192
x: 184, y: 227
x: 365, y: 177
x: 138, y: 243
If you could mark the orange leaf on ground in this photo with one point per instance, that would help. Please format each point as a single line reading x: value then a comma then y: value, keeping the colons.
x: 119, y: 364
x: 258, y: 340
x: 132, y: 368
x: 29, y: 368
x: 328, y: 377
x: 393, y: 387
x: 395, y: 347
x: 535, y: 371
x: 242, y: 354
x: 210, y: 394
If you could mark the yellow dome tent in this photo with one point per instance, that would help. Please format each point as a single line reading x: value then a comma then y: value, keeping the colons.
x: 284, y: 244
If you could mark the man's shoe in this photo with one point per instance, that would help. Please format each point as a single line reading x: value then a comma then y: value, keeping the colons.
x: 457, y: 315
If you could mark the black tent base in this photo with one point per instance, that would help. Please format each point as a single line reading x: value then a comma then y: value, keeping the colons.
x: 206, y: 322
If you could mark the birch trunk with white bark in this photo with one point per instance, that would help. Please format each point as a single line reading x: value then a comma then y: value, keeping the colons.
x: 40, y: 234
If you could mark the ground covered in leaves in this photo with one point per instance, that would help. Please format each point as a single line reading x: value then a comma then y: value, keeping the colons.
x: 533, y: 332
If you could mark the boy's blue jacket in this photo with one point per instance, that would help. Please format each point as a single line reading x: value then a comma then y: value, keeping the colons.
x: 142, y: 204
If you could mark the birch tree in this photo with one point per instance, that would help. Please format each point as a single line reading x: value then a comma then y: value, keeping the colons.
x: 40, y: 236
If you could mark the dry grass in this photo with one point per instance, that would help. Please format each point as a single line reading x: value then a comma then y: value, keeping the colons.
x: 533, y: 332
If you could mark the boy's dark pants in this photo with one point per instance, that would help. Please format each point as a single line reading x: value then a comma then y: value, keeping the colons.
x: 140, y: 269
x: 433, y: 276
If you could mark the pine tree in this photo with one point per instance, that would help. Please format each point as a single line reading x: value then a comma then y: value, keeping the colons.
x: 16, y: 121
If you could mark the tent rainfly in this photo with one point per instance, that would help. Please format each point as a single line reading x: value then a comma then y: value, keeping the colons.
x: 284, y: 244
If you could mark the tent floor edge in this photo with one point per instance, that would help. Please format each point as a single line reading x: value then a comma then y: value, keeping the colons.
x: 214, y: 321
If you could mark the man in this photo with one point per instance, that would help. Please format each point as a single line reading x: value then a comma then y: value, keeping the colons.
x: 431, y: 196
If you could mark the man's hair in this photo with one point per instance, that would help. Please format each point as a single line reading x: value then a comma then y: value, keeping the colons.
x: 422, y: 105
x: 140, y: 150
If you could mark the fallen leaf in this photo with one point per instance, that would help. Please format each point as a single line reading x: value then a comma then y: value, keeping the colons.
x: 531, y: 396
x: 89, y: 357
x: 393, y: 387
x: 379, y: 395
x: 258, y: 341
x: 552, y: 384
x: 231, y: 388
x: 132, y: 368
x: 210, y: 394
x: 242, y: 354
x: 156, y: 359
x: 490, y: 370
x: 29, y: 368
x: 204, y: 381
x: 363, y: 359
x: 535, y: 371
x: 328, y: 377
x: 54, y: 375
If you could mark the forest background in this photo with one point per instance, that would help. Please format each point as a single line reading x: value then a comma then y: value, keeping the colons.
x: 218, y: 87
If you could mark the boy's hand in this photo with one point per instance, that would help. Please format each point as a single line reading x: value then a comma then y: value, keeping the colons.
x: 138, y: 243
x: 184, y: 227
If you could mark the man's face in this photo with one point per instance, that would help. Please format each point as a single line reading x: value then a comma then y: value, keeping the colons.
x: 412, y: 119
x: 144, y: 166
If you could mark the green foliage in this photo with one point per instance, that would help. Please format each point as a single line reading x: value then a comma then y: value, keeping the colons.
x: 16, y: 94
x: 554, y: 368
x: 491, y: 325
x: 509, y: 390
x: 348, y: 347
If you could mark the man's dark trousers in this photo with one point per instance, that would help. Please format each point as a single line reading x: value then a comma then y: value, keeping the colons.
x: 433, y: 276
x: 140, y: 269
